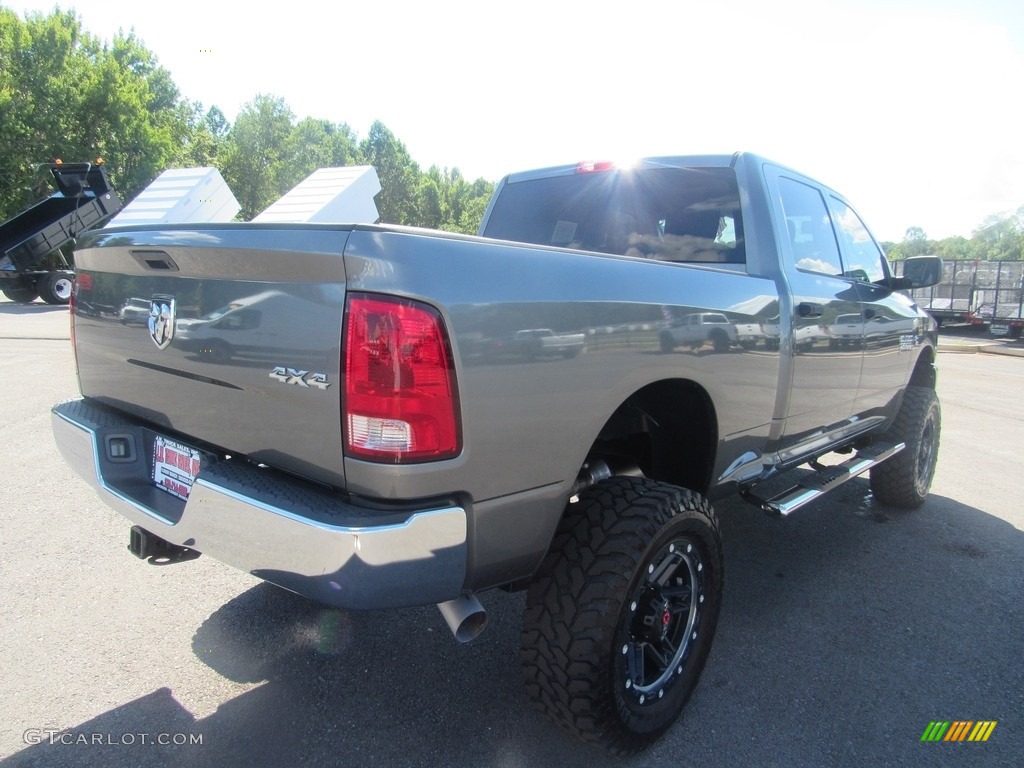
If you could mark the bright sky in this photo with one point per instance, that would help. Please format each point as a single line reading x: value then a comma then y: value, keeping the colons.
x: 910, y: 108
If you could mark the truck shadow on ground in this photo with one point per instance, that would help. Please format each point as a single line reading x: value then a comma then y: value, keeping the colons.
x: 834, y: 648
x: 35, y: 308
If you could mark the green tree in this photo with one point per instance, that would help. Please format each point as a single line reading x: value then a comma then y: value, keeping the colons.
x: 256, y: 164
x: 131, y: 114
x: 1001, y: 236
x: 955, y: 248
x: 474, y: 205
x: 38, y: 60
x: 314, y: 144
x: 398, y: 201
x: 448, y: 201
x: 475, y: 209
x: 65, y: 94
x: 433, y: 210
x: 915, y: 242
x: 202, y: 137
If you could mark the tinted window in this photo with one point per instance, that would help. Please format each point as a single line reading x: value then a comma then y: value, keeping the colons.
x: 863, y: 256
x: 670, y: 214
x: 809, y: 229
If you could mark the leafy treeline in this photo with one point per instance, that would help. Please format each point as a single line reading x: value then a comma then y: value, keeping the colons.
x: 66, y: 94
x: 1000, y: 236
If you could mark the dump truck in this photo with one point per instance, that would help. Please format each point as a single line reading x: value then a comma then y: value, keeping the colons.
x: 84, y: 199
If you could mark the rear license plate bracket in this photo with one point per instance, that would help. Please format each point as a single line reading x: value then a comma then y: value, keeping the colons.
x: 175, y: 466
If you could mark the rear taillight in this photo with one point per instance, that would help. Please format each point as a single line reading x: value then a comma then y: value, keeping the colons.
x: 401, y: 403
x: 589, y: 166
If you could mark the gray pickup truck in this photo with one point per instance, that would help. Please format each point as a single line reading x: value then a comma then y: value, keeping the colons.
x: 321, y: 406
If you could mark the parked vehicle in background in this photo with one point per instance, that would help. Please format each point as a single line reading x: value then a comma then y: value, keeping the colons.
x: 749, y: 334
x: 134, y: 311
x: 31, y: 264
x: 984, y: 293
x: 847, y: 330
x: 541, y: 342
x: 699, y: 328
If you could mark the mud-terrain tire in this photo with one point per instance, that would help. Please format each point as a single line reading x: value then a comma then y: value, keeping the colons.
x: 904, y: 480
x: 620, y: 618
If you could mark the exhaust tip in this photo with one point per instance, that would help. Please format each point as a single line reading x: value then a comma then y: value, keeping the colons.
x: 465, y: 617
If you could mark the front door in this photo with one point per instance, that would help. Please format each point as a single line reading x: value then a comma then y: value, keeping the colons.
x: 891, y: 324
x: 824, y: 376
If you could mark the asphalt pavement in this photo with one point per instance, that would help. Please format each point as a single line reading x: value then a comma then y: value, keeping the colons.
x: 845, y: 631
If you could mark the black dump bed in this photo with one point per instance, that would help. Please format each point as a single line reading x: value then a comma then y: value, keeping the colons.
x: 85, y: 199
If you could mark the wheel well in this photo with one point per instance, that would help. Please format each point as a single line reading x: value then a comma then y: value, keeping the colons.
x: 924, y: 370
x: 668, y: 429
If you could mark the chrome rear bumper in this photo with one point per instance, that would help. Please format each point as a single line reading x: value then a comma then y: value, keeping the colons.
x: 294, y: 534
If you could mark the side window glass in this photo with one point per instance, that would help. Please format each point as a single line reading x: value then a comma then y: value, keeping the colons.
x: 863, y: 256
x: 809, y: 228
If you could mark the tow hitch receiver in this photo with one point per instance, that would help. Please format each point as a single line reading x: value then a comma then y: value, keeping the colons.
x: 147, y: 546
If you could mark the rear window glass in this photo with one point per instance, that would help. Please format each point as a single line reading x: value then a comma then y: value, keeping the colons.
x: 669, y: 214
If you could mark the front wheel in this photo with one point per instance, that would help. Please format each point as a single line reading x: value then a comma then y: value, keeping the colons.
x: 905, y: 479
x: 619, y: 620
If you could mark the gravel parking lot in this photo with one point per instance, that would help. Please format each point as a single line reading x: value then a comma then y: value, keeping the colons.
x: 845, y: 631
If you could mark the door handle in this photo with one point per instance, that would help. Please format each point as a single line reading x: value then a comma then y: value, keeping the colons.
x: 808, y: 309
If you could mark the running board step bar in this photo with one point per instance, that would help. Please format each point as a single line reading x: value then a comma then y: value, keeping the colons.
x: 825, y: 479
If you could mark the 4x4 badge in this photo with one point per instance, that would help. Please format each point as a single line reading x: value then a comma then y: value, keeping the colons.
x: 161, y: 320
x: 299, y: 377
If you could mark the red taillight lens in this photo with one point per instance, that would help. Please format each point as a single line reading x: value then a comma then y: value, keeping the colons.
x: 589, y: 166
x: 401, y: 403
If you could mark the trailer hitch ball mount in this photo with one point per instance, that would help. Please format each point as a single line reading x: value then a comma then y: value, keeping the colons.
x: 150, y: 547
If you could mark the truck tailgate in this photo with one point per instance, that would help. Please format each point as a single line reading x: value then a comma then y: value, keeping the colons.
x: 225, y: 337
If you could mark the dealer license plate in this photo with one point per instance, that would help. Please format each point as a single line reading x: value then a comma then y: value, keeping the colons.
x: 175, y: 466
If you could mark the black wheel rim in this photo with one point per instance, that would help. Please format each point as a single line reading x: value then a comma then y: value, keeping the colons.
x: 662, y: 624
x: 926, y: 453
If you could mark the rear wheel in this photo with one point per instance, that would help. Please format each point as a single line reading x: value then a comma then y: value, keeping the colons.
x: 56, y: 287
x: 905, y: 479
x: 19, y: 291
x: 620, y: 619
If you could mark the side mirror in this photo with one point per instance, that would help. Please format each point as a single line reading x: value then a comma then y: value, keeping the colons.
x: 918, y: 272
x: 922, y: 271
